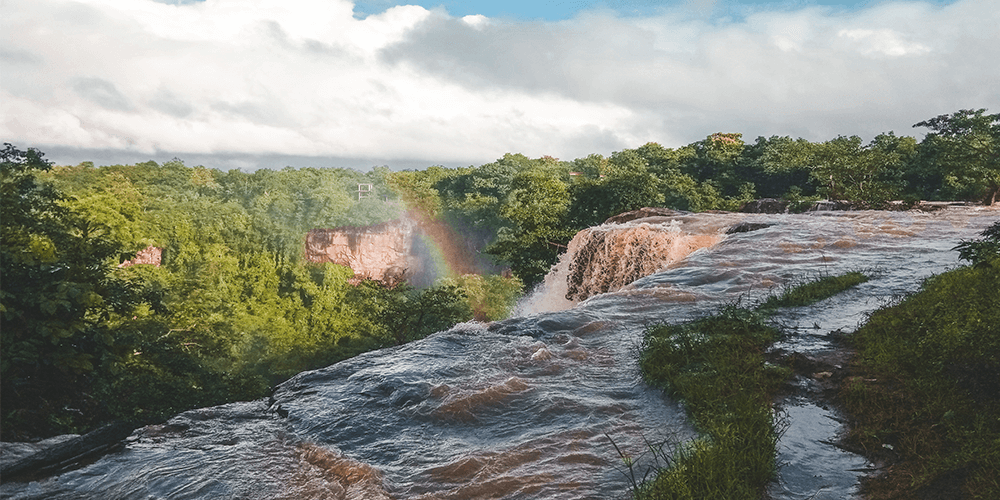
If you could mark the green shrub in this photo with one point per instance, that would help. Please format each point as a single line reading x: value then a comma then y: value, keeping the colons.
x: 929, y: 386
x: 981, y: 252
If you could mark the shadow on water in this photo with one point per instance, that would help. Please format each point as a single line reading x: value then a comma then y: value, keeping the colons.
x: 520, y: 408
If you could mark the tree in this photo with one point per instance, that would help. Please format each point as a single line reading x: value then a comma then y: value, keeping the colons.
x: 779, y: 167
x: 982, y: 251
x: 845, y: 169
x: 58, y: 292
x: 716, y: 159
x: 535, y: 225
x: 966, y: 148
x: 627, y: 184
x: 404, y: 314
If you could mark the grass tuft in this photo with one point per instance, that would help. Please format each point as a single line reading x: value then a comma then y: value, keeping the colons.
x: 927, y: 391
x: 815, y: 290
x: 716, y: 367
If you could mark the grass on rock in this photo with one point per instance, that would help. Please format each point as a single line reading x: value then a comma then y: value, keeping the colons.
x: 815, y: 290
x: 716, y: 366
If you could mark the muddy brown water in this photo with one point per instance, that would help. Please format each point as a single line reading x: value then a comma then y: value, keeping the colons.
x: 524, y: 408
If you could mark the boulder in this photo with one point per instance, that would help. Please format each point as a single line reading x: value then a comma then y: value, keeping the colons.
x: 765, y: 206
x: 746, y: 227
x: 66, y: 452
x: 642, y: 213
x: 829, y: 205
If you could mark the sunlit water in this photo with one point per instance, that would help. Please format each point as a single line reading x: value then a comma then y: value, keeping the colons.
x: 528, y: 407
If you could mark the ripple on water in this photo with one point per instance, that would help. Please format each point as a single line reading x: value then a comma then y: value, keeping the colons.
x: 811, y: 466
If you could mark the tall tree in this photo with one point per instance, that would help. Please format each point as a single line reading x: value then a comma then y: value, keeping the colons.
x: 779, y: 166
x: 535, y: 228
x: 966, y: 146
x: 58, y: 290
x: 716, y: 159
x: 846, y: 169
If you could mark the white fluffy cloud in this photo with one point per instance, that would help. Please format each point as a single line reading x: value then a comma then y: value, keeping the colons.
x: 306, y: 78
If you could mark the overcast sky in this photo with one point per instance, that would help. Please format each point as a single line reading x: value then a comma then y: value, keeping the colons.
x: 269, y: 83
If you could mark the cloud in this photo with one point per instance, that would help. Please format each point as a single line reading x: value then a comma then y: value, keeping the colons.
x: 101, y: 92
x: 882, y: 42
x: 305, y: 78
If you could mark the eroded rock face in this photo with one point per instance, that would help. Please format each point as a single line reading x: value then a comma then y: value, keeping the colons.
x: 642, y: 213
x: 149, y: 255
x: 765, y: 206
x: 381, y: 252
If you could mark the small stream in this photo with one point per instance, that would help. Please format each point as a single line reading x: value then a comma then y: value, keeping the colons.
x: 527, y: 407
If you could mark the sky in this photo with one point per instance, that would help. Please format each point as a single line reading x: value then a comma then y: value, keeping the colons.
x: 251, y: 84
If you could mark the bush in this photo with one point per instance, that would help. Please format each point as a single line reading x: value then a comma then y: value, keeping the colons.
x: 930, y: 387
x: 981, y: 252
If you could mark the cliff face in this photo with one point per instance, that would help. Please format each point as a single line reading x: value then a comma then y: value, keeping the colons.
x: 149, y: 255
x: 381, y: 252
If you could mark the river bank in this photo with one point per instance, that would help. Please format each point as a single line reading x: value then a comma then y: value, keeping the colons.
x: 923, y: 391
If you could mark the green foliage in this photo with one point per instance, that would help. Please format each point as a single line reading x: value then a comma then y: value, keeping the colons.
x: 929, y: 373
x: 57, y: 285
x: 405, y: 314
x: 490, y: 298
x: 717, y: 159
x: 626, y: 184
x: 779, y: 167
x: 810, y: 292
x: 534, y: 214
x: 963, y: 151
x: 477, y: 193
x: 716, y: 366
x: 417, y: 190
x: 58, y: 289
x: 983, y: 252
x: 866, y: 175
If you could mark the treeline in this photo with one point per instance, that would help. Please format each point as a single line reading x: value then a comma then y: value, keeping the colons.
x: 528, y: 209
x: 232, y: 309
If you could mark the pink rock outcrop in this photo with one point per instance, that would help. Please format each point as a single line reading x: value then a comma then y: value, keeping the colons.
x: 381, y: 252
x: 149, y: 255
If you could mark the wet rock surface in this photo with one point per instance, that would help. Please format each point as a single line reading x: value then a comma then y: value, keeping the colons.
x: 746, y: 227
x: 765, y: 206
x: 642, y: 213
x: 63, y: 451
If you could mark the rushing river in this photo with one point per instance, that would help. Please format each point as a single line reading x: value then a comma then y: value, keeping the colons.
x: 526, y: 407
